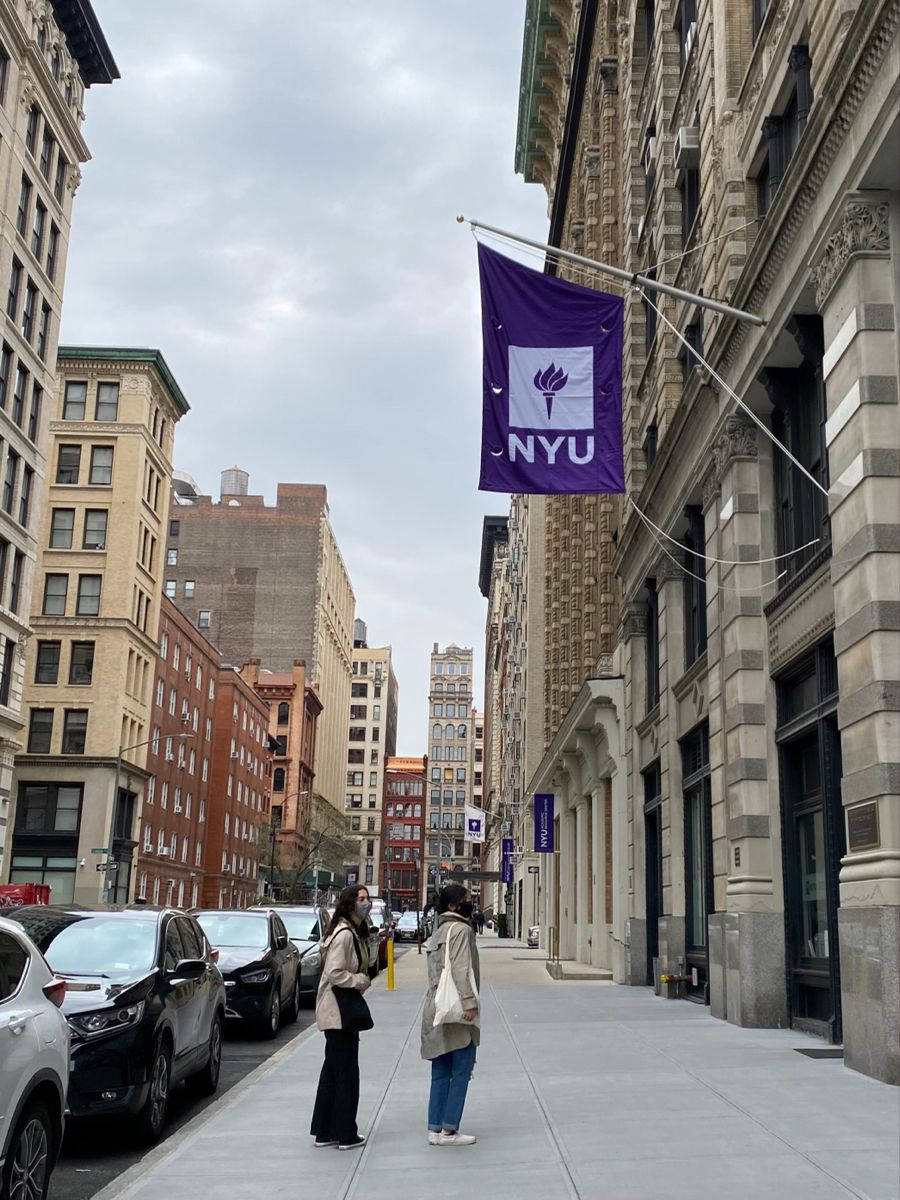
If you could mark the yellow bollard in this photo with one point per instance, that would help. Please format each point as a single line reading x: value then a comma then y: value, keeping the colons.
x: 390, y: 963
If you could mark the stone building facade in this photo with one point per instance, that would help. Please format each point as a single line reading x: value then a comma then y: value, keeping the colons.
x: 759, y: 631
x: 268, y: 582
x: 90, y: 667
x: 50, y: 54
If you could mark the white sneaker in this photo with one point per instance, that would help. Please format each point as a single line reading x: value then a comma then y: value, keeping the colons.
x: 434, y: 1139
x: 456, y: 1139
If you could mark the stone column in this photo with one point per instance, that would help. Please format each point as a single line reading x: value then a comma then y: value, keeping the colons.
x: 634, y: 638
x: 584, y: 882
x: 669, y: 577
x: 568, y: 932
x: 749, y: 920
x: 858, y: 296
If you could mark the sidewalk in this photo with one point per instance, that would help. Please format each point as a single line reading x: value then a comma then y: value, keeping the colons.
x: 581, y: 1091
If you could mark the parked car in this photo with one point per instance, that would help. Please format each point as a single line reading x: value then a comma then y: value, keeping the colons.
x: 534, y: 937
x: 408, y: 927
x: 260, y: 965
x: 34, y: 1066
x: 305, y: 927
x: 144, y: 1001
x: 383, y: 926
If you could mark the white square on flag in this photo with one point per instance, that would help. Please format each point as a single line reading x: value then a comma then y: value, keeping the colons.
x: 474, y: 824
x: 559, y: 379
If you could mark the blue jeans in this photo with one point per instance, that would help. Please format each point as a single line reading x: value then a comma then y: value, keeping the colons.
x: 450, y: 1075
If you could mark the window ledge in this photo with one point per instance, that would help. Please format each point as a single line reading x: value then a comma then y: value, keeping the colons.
x: 644, y: 726
x: 793, y: 585
x: 697, y: 668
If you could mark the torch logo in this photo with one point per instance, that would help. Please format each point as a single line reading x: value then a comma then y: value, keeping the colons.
x: 550, y: 381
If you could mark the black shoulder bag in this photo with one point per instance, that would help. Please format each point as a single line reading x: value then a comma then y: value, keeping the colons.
x: 355, y: 1014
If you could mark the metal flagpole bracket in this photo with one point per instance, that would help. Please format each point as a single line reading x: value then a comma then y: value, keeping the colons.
x: 636, y: 280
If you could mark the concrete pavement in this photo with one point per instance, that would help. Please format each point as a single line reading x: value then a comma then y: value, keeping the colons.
x: 581, y: 1091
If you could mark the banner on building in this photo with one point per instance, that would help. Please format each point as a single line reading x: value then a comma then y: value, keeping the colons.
x: 506, y: 865
x: 543, y: 822
x: 474, y: 824
x: 552, y: 406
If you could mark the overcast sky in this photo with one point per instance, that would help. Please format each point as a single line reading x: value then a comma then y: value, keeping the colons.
x: 271, y: 203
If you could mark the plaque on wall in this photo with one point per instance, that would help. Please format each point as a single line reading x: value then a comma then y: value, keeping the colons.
x: 862, y: 826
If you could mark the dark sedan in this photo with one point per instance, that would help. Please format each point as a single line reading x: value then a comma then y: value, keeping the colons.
x: 145, y: 1005
x: 306, y: 927
x: 260, y: 964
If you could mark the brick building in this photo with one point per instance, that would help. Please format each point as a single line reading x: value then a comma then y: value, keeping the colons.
x: 402, y: 871
x: 238, y: 817
x: 294, y: 707
x: 268, y: 582
x: 171, y: 851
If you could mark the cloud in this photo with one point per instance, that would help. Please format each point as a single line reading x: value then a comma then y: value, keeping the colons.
x: 271, y: 201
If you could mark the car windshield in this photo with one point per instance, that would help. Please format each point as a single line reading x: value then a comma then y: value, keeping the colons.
x: 408, y: 918
x: 302, y: 926
x: 97, y: 945
x: 235, y: 929
x: 376, y: 919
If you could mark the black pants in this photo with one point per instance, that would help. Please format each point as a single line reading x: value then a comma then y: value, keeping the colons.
x: 334, y: 1116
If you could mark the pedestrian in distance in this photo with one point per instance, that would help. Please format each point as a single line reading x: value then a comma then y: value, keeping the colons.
x: 342, y: 1013
x: 479, y: 921
x: 450, y: 1030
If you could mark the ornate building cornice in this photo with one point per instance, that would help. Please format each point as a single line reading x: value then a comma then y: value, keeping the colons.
x: 863, y: 231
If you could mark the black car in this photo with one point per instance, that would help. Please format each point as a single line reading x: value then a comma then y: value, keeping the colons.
x: 145, y: 1003
x: 260, y: 964
x: 305, y: 925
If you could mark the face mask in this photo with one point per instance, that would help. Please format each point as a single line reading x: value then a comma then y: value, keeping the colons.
x: 363, y: 908
x: 465, y: 909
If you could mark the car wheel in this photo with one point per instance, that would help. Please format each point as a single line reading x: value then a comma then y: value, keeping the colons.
x: 30, y: 1158
x: 292, y: 1012
x: 271, y: 1022
x: 152, y: 1117
x: 206, y: 1082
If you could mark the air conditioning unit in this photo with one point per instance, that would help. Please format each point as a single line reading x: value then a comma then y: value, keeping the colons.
x: 689, y: 40
x: 687, y: 148
x: 650, y: 155
x: 101, y: 545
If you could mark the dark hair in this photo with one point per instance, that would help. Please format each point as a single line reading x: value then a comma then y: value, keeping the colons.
x: 450, y: 893
x: 345, y: 908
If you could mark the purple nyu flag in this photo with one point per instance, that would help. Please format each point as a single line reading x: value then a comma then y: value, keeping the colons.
x: 552, y: 382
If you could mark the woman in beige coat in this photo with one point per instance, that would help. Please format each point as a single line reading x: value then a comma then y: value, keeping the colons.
x: 346, y: 965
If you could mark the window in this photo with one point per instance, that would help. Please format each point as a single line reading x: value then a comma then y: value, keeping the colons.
x: 460, y: 774
x: 81, y: 665
x: 45, y: 809
x: 107, y: 408
x: 171, y: 557
x: 759, y: 12
x: 74, y: 731
x: 4, y: 73
x: 692, y: 353
x: 357, y: 712
x: 284, y: 713
x: 25, y: 495
x: 55, y: 587
x: 689, y: 187
x: 359, y: 691
x: 189, y: 589
x: 278, y: 779
x: 5, y: 368
x: 356, y: 756
x: 46, y: 668
x: 15, y: 581
x: 40, y: 730
x: 38, y: 227
x: 62, y: 523
x: 34, y: 414
x: 47, y: 144
x: 95, y: 520
x: 15, y: 282
x: 21, y: 386
x: 782, y: 131
x: 88, y: 602
x: 68, y: 464
x: 52, y: 251
x: 170, y: 589
x: 651, y: 661
x: 101, y: 465
x: 24, y: 202
x: 694, y: 588
x: 204, y: 618
x: 59, y: 179
x: 649, y: 313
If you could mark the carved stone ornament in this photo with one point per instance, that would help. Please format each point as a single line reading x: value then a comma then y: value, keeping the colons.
x: 74, y: 180
x: 668, y: 567
x: 605, y: 665
x: 737, y: 440
x: 28, y: 90
x: 863, y: 230
x: 711, y: 489
x: 634, y: 621
x: 609, y: 74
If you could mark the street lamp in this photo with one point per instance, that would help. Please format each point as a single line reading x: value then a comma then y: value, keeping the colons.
x: 111, y: 866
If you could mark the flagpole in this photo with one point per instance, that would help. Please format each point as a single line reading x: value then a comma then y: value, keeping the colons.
x: 617, y: 273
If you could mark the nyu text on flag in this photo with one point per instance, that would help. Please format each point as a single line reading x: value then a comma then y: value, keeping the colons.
x: 474, y: 824
x: 552, y: 407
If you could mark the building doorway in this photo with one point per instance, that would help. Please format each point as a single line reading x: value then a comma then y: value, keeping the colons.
x: 813, y: 840
x: 698, y: 880
x: 652, y: 863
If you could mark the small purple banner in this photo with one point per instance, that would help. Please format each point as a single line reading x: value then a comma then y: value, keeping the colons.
x: 552, y: 420
x: 543, y: 822
x: 506, y: 866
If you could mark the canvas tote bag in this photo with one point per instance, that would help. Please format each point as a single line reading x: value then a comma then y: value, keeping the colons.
x: 448, y: 1009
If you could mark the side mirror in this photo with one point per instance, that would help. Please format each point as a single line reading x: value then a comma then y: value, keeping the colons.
x: 281, y: 941
x: 188, y: 969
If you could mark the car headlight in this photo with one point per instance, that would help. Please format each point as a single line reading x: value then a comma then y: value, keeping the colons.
x: 312, y: 958
x: 256, y: 977
x: 109, y: 1020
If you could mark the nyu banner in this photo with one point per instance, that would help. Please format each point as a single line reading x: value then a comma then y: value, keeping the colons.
x: 474, y: 824
x: 506, y: 866
x: 552, y: 382
x: 543, y: 822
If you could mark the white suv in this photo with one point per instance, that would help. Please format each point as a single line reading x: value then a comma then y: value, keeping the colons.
x: 34, y: 1066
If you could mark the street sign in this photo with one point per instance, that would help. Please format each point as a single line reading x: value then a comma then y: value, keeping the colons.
x: 100, y: 850
x: 108, y: 866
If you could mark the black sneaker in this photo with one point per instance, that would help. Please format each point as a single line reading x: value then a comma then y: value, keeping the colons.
x: 356, y: 1144
x: 323, y: 1143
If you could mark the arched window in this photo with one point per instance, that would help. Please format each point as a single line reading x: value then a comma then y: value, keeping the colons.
x: 437, y: 732
x: 450, y: 731
x: 461, y: 732
x: 439, y: 687
x: 284, y: 713
x: 278, y: 779
x: 55, y: 65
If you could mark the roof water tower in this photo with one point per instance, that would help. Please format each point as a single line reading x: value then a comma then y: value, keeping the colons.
x: 235, y: 482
